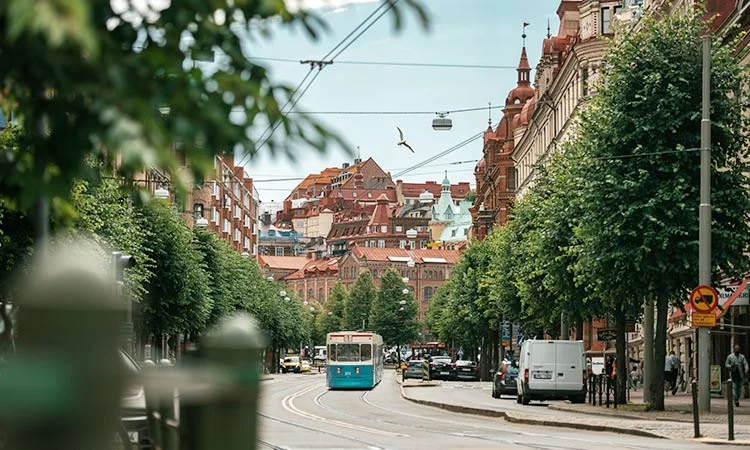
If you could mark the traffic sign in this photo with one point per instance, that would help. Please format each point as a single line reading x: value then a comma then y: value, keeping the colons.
x: 704, y: 299
x: 460, y: 351
x: 703, y: 319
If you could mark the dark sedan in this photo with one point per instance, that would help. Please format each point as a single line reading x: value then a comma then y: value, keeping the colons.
x: 466, y: 370
x: 504, y: 381
x: 441, y: 368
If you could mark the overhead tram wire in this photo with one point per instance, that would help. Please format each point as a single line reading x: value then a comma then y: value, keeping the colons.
x: 396, y: 113
x: 291, y: 97
x: 322, y: 64
x: 441, y: 154
x: 396, y: 64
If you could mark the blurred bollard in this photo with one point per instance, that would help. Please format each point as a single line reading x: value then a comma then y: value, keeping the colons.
x: 228, y: 419
x: 63, y: 390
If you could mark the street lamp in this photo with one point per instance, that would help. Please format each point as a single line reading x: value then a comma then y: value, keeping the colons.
x: 282, y: 293
x: 411, y: 233
x: 287, y: 299
x: 410, y: 263
x: 270, y: 278
x: 307, y: 303
x: 405, y: 279
x: 405, y: 291
x: 202, y: 223
x: 330, y: 313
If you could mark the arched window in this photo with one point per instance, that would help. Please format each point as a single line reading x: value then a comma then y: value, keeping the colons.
x: 321, y: 295
x: 428, y: 293
x: 310, y: 296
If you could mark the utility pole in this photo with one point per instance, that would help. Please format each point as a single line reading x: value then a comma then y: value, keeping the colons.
x: 704, y: 230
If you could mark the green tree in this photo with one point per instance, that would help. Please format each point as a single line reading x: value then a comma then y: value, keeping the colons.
x: 105, y: 211
x: 330, y: 319
x: 394, y: 313
x: 95, y: 80
x: 359, y: 302
x: 178, y: 298
x: 640, y: 223
x: 227, y: 281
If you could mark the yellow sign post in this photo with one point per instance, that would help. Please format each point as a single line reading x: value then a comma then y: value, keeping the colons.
x: 704, y: 299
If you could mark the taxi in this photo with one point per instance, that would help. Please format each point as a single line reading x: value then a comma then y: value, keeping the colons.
x: 305, y: 365
x: 291, y: 364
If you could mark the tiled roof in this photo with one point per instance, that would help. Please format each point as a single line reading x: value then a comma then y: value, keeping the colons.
x: 283, y: 262
x: 418, y: 256
x: 414, y: 189
x: 315, y: 265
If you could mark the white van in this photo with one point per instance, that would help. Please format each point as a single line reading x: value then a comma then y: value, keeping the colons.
x: 552, y: 370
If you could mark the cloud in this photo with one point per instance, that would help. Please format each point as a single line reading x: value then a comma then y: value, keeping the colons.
x: 296, y: 5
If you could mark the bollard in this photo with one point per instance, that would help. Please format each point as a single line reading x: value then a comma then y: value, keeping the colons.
x: 696, y: 417
x: 228, y: 420
x: 601, y: 390
x: 608, y: 388
x: 63, y: 389
x: 730, y: 409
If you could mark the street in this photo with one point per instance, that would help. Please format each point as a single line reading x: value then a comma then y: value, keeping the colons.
x: 298, y: 412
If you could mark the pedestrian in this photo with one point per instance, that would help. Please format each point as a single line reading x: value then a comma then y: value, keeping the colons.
x: 737, y: 366
x: 674, y: 361
x: 668, y: 372
x: 634, y: 378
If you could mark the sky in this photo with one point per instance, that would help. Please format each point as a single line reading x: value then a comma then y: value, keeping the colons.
x: 474, y: 32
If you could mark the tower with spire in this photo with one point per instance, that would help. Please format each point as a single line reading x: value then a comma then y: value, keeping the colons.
x: 495, y: 195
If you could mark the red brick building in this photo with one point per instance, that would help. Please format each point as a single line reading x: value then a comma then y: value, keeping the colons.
x: 279, y: 267
x: 426, y: 270
x: 495, y: 172
x: 229, y: 202
x: 315, y: 280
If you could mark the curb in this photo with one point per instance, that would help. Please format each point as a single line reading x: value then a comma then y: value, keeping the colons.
x: 512, y: 418
x: 714, y: 441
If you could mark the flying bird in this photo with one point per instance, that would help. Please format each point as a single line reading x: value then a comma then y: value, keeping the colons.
x: 402, y: 140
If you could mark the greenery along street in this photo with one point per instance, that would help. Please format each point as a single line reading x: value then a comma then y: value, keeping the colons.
x: 612, y: 220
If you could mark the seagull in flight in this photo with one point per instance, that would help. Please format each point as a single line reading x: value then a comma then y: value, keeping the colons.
x: 403, y: 141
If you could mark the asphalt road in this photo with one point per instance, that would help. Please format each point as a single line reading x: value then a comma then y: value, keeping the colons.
x: 299, y: 412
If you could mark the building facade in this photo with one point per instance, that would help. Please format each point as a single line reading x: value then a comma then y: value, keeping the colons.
x: 229, y: 202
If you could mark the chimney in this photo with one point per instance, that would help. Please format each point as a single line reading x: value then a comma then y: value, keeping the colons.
x: 357, y: 160
x: 345, y: 165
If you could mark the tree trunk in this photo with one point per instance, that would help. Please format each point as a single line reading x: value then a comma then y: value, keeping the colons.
x: 496, y: 342
x: 486, y: 358
x: 579, y: 328
x: 622, y: 358
x: 648, y: 352
x: 660, y: 353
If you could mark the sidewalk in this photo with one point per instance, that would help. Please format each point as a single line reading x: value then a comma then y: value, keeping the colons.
x: 678, y: 408
x: 675, y: 423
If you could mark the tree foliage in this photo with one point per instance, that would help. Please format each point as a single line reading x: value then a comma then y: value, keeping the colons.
x: 394, y: 313
x: 331, y: 318
x: 178, y: 297
x: 97, y: 78
x: 359, y: 302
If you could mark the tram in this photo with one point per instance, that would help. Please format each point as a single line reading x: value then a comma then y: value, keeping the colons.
x: 354, y: 360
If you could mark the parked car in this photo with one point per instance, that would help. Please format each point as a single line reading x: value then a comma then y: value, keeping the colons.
x: 305, y: 365
x: 466, y: 370
x: 504, y: 380
x: 441, y: 368
x: 133, y: 406
x: 414, y: 369
x: 552, y: 370
x: 291, y: 364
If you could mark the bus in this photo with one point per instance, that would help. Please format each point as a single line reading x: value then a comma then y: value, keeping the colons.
x: 354, y: 360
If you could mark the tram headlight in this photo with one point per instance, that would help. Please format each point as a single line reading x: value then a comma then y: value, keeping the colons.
x: 356, y: 370
x: 338, y: 369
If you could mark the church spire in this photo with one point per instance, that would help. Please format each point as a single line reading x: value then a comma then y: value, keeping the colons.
x: 524, y: 69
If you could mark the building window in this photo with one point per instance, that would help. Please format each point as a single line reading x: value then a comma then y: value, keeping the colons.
x: 279, y: 251
x: 423, y: 245
x: 381, y: 244
x: 419, y: 229
x: 401, y: 244
x: 321, y: 295
x: 215, y: 215
x: 510, y: 178
x: 428, y: 293
x: 310, y: 295
x: 372, y: 244
x: 197, y: 211
x: 399, y: 228
x: 383, y: 228
x: 412, y: 245
x: 440, y: 275
x: 606, y: 21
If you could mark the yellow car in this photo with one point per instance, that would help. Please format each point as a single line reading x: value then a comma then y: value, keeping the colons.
x: 291, y: 364
x: 305, y: 365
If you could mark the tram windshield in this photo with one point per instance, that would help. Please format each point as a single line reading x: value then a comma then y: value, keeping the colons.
x: 349, y: 352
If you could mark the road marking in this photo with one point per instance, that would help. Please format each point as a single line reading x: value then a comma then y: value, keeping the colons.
x: 288, y: 404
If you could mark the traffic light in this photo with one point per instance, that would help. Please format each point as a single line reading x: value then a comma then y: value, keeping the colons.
x: 121, y: 262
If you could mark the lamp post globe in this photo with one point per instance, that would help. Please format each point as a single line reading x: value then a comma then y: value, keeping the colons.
x: 245, y: 255
x: 405, y: 291
x: 203, y: 223
x: 282, y: 293
x: 411, y: 233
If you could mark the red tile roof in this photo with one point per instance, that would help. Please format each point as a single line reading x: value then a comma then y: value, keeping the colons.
x: 418, y: 256
x: 458, y: 191
x: 330, y: 265
x: 283, y: 262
